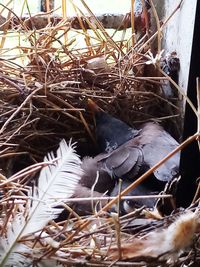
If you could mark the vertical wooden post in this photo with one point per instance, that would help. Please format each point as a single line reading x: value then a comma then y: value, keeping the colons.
x: 47, y: 5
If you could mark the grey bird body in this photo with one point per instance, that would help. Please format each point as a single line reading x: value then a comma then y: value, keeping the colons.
x: 128, y: 153
x: 141, y: 153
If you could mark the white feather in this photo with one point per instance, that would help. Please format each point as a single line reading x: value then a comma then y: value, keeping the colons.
x: 10, y: 253
x: 17, y: 259
x: 56, y: 181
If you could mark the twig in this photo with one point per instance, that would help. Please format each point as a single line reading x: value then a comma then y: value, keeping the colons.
x: 132, y: 22
x: 100, y: 26
x: 28, y: 170
x: 119, y: 196
x: 117, y: 234
x: 12, y: 83
x: 11, y: 154
x: 197, y: 193
x: 80, y: 199
x: 18, y: 110
x: 158, y: 28
x: 198, y: 110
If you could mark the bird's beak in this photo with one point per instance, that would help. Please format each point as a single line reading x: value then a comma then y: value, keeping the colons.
x: 93, y: 106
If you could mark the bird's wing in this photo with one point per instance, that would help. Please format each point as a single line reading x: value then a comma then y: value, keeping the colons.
x: 122, y: 161
x: 156, y: 143
x: 156, y: 150
x: 93, y: 175
x: 131, y: 166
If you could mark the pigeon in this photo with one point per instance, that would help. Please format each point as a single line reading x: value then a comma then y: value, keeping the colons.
x: 126, y: 153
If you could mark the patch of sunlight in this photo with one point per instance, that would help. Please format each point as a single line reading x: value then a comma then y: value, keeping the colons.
x: 16, y: 44
x: 97, y: 6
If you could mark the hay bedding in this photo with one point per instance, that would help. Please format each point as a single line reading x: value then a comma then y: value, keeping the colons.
x: 38, y: 108
x: 46, y: 101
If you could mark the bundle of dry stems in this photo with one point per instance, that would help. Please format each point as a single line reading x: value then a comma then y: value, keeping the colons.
x: 43, y: 101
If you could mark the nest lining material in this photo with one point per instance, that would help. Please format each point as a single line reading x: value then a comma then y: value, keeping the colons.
x: 38, y: 108
x: 46, y: 101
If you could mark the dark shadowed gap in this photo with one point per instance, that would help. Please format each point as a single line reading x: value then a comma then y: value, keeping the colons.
x: 190, y: 156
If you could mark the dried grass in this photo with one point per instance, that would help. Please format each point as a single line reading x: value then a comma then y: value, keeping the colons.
x: 45, y: 100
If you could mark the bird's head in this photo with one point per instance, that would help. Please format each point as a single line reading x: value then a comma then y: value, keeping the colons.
x: 110, y: 131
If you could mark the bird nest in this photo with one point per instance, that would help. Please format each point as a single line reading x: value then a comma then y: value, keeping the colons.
x: 44, y: 100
